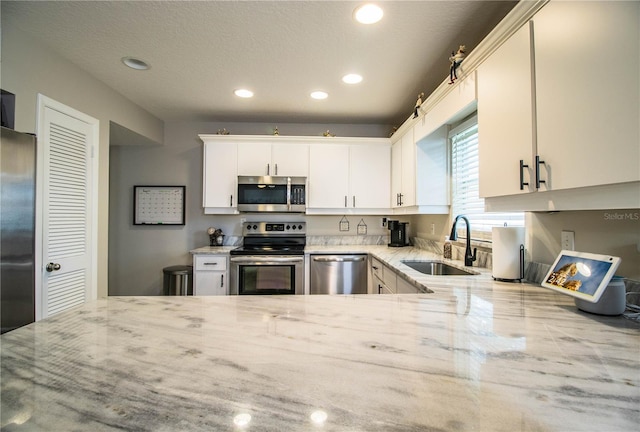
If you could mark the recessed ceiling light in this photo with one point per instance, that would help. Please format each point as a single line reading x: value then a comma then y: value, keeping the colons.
x: 368, y: 13
x: 243, y: 93
x: 319, y: 95
x: 135, y: 63
x: 352, y: 78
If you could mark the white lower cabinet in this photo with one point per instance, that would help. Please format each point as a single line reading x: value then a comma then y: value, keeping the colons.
x: 378, y: 285
x: 210, y: 275
x: 404, y: 287
x: 385, y: 280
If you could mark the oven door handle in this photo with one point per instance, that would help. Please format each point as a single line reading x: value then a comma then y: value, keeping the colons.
x: 266, y: 260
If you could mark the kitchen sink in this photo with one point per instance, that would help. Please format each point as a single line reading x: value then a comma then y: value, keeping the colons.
x: 437, y: 268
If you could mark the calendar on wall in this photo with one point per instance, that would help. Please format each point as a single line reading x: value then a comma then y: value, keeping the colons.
x: 158, y: 205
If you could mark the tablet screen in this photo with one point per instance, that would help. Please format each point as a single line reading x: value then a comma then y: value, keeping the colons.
x: 580, y: 274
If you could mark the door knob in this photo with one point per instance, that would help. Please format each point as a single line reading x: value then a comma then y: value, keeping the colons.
x: 52, y: 266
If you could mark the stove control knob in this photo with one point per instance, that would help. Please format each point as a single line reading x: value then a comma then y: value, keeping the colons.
x: 248, y: 226
x: 255, y: 227
x: 289, y: 227
x: 299, y: 226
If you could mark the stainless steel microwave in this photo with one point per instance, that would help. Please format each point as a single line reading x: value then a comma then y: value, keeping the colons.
x: 275, y: 194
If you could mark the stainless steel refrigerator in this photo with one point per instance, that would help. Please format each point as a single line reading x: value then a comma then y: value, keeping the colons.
x: 17, y: 233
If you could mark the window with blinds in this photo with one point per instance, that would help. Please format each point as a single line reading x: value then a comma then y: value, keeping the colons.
x: 465, y: 198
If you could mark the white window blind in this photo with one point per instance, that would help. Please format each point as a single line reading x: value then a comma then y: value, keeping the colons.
x: 465, y: 185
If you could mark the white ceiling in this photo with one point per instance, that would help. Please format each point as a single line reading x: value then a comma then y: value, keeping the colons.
x: 200, y: 51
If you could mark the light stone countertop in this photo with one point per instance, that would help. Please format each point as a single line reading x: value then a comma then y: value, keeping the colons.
x: 474, y: 355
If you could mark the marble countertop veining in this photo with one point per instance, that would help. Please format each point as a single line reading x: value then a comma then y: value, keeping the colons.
x: 474, y: 355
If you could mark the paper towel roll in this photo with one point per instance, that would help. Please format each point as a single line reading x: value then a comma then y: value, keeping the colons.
x: 506, y: 252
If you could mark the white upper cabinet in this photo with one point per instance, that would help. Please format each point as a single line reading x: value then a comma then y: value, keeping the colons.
x: 403, y: 166
x: 344, y: 175
x: 408, y: 191
x: 349, y: 177
x: 505, y: 118
x: 369, y: 181
x: 220, y: 176
x: 559, y: 111
x: 328, y: 176
x: 587, y: 71
x: 254, y: 159
x: 281, y: 159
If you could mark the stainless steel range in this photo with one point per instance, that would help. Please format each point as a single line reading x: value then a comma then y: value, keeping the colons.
x: 271, y: 259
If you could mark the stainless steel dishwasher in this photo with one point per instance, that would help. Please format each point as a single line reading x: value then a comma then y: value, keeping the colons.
x: 338, y: 274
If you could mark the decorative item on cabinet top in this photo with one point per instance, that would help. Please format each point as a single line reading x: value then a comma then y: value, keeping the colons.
x: 456, y: 59
x: 418, y: 104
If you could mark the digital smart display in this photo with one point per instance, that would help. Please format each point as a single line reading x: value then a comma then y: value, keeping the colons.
x: 580, y: 274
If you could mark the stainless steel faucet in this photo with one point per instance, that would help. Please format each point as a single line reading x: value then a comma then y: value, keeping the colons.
x: 468, y: 257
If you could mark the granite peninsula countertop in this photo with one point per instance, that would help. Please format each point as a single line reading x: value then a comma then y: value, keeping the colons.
x: 474, y: 355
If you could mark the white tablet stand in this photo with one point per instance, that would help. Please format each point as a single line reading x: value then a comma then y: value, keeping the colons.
x: 612, y: 302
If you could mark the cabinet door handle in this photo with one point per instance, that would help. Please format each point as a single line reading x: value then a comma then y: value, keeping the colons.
x: 230, y: 200
x: 211, y: 263
x: 401, y: 195
x: 268, y: 169
x: 522, y: 167
x: 379, y: 289
x: 345, y: 201
x: 276, y: 173
x: 354, y: 201
x: 538, y: 181
x: 374, y: 267
x: 221, y: 281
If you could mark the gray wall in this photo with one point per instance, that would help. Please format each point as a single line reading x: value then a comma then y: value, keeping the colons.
x: 29, y: 68
x: 610, y: 232
x: 137, y: 254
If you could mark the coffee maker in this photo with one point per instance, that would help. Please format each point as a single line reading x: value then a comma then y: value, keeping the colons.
x: 398, y: 237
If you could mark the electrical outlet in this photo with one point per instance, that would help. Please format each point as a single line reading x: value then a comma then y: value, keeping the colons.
x: 384, y: 222
x: 567, y: 240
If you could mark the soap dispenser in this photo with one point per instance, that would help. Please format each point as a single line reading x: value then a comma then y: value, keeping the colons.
x: 447, y: 248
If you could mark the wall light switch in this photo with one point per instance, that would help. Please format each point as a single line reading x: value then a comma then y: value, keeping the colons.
x: 567, y: 240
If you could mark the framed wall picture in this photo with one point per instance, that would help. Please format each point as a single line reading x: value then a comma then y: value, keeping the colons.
x: 159, y: 205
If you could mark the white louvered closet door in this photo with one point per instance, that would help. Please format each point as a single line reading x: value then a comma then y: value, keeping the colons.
x: 67, y: 208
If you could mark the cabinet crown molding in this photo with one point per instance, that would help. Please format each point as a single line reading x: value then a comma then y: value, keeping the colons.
x: 519, y: 15
x: 288, y: 139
